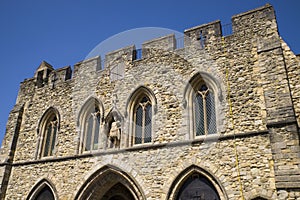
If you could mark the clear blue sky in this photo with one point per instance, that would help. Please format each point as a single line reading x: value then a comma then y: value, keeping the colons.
x: 63, y: 32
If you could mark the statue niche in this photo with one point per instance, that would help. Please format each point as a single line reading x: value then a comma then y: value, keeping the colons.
x: 114, y: 135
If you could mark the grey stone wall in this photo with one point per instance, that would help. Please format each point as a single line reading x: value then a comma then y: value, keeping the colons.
x: 255, y: 150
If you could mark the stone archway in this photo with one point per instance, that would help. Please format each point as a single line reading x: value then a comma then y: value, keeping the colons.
x: 45, y: 194
x: 110, y: 183
x: 43, y: 190
x: 118, y: 192
x: 196, y: 183
x: 197, y: 187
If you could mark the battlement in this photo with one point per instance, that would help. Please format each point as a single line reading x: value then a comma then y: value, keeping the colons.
x: 259, y: 23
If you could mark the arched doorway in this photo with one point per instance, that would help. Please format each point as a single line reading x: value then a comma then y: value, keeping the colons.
x: 197, y: 187
x: 110, y: 183
x: 118, y: 192
x: 195, y: 183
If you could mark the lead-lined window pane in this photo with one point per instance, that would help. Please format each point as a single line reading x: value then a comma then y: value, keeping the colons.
x: 199, y: 115
x: 204, y: 111
x: 211, y: 114
x: 138, y: 125
x: 148, y: 123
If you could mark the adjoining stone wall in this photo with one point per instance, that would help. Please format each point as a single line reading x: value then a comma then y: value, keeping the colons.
x: 255, y: 80
x: 293, y: 70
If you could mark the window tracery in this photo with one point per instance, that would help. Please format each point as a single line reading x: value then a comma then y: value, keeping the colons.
x: 48, y: 131
x: 90, y: 123
x: 204, y: 111
x: 143, y: 121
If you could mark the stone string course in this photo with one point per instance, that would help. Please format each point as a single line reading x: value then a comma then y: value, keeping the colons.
x: 255, y: 77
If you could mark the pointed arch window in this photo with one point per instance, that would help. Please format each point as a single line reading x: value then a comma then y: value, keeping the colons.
x: 48, y: 127
x: 50, y: 136
x: 45, y: 194
x: 141, y: 107
x: 42, y: 191
x: 90, y: 125
x: 143, y: 121
x: 92, y: 128
x: 204, y: 111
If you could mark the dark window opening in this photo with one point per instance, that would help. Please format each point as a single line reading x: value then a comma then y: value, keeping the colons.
x: 45, y: 194
x: 39, y: 79
x: 197, y: 187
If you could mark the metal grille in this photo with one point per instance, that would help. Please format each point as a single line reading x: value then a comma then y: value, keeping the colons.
x: 199, y: 115
x: 148, y: 123
x: 210, y: 113
x: 138, y: 125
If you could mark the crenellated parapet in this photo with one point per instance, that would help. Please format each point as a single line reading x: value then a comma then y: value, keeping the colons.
x: 259, y: 23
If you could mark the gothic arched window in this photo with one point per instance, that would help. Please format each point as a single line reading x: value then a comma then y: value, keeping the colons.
x: 90, y: 126
x: 48, y: 128
x: 50, y: 136
x: 45, y: 194
x: 203, y: 98
x: 44, y: 190
x: 141, y: 106
x: 204, y: 110
x: 143, y: 121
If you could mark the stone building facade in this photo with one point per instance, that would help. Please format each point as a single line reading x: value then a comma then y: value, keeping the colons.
x: 216, y: 119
